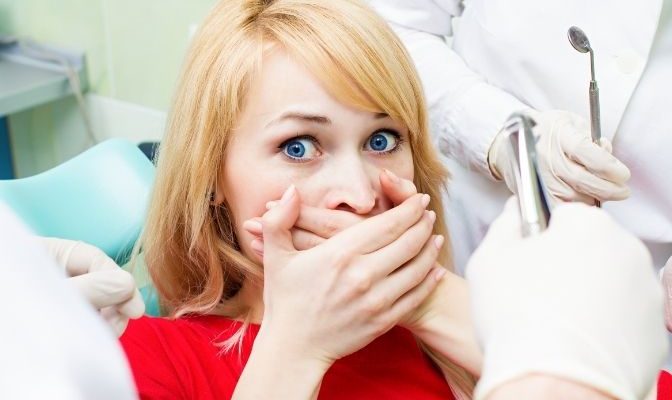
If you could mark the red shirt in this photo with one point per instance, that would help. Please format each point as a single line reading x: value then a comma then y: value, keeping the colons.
x: 179, y: 359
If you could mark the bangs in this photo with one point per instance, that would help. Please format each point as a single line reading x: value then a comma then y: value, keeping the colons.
x: 357, y: 61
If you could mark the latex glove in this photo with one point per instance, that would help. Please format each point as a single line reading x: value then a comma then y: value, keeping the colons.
x: 578, y: 302
x: 571, y: 165
x: 110, y: 289
x: 666, y: 277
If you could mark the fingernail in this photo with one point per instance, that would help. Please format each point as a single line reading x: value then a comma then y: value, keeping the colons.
x: 257, y: 245
x: 271, y: 204
x: 438, y: 241
x: 287, y: 196
x: 432, y: 216
x: 392, y: 176
x: 440, y: 273
x: 425, y: 200
x: 252, y: 225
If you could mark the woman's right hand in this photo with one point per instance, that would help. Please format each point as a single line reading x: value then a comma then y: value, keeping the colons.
x: 334, y: 299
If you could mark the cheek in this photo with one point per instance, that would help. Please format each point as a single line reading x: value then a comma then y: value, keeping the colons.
x: 247, y: 187
x: 248, y: 190
x: 402, y: 164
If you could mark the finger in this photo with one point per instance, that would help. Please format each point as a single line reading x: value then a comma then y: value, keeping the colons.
x: 395, y: 188
x: 595, y: 158
x: 389, y: 258
x: 277, y: 223
x: 508, y: 225
x: 322, y: 222
x: 305, y: 240
x: 85, y: 258
x: 133, y: 308
x: 105, y: 288
x: 412, y: 273
x: 116, y: 321
x: 381, y: 229
x: 583, y: 181
x: 254, y: 226
x: 413, y: 298
x: 667, y: 290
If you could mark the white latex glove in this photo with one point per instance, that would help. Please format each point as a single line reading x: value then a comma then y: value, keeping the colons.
x: 666, y: 277
x: 578, y: 302
x: 571, y: 165
x: 110, y: 289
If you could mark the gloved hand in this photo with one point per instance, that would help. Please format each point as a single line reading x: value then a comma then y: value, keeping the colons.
x: 667, y: 289
x: 110, y: 289
x: 571, y: 165
x: 578, y: 302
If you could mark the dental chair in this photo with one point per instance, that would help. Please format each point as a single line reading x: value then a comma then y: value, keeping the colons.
x: 99, y: 197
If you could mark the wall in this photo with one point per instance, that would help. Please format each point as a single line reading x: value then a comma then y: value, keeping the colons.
x: 134, y: 52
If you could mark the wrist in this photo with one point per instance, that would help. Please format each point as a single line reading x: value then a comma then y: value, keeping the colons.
x: 285, y: 372
x: 447, y: 326
x: 288, y: 349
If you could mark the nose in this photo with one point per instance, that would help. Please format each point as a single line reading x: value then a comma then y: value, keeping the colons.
x: 353, y: 187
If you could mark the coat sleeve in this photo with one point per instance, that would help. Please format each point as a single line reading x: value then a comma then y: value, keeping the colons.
x: 465, y: 111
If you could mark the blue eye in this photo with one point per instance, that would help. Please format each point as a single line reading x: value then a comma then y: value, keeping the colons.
x: 299, y: 148
x: 382, y: 142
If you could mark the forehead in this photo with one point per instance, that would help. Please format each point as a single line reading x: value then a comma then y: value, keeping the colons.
x: 281, y: 83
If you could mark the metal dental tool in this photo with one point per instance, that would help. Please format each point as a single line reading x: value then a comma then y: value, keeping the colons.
x: 580, y: 42
x: 532, y: 195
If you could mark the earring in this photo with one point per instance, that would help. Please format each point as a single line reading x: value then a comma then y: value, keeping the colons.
x: 212, y: 196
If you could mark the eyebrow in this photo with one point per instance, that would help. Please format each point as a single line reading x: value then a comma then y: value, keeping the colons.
x: 315, y: 118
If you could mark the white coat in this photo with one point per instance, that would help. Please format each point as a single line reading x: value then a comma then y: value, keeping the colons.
x: 508, y: 55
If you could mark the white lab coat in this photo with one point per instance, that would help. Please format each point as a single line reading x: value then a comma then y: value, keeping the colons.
x: 52, y: 343
x: 508, y: 55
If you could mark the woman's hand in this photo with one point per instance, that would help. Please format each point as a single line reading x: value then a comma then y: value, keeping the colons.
x: 361, y: 281
x: 330, y: 301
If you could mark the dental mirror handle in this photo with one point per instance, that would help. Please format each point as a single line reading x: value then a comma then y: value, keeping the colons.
x: 595, y: 126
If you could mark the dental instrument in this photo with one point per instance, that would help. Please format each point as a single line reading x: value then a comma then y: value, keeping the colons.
x: 532, y: 193
x: 579, y: 40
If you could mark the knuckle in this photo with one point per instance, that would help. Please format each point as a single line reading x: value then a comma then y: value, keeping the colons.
x: 374, y: 305
x: 360, y: 282
x: 126, y: 282
x: 341, y: 259
x: 331, y: 226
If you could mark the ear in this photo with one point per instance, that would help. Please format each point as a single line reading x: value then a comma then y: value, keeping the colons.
x: 216, y: 197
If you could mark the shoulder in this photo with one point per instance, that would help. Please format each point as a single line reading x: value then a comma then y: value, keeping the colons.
x: 168, y: 357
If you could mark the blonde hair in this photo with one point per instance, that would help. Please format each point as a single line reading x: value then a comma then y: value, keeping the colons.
x: 190, y: 246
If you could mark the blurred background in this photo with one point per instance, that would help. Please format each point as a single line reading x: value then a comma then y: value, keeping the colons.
x: 133, y: 51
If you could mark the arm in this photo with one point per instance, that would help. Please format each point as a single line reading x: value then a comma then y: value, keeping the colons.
x: 466, y: 112
x: 444, y: 324
x: 285, y: 375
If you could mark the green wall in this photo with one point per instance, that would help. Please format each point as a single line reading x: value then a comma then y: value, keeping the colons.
x: 134, y: 52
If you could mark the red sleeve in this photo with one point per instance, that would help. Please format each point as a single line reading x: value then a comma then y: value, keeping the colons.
x: 151, y: 362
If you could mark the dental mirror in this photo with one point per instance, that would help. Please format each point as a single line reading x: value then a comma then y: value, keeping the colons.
x: 578, y: 39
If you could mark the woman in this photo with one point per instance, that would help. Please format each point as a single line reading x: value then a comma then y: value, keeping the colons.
x: 316, y: 100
